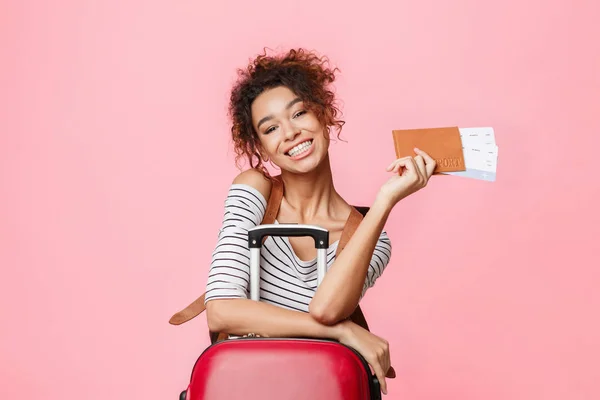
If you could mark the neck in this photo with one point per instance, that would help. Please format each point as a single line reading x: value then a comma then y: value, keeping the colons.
x: 311, y: 194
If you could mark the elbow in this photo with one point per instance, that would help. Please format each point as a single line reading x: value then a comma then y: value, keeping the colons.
x: 324, y: 314
x: 214, y: 316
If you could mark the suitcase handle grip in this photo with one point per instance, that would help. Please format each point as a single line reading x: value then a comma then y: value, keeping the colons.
x: 256, y: 234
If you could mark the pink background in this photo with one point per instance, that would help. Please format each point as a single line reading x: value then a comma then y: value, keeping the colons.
x: 115, y: 161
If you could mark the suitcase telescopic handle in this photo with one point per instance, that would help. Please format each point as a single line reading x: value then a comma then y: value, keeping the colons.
x: 255, y: 239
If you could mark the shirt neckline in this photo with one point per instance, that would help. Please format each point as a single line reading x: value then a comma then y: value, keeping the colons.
x: 304, y: 262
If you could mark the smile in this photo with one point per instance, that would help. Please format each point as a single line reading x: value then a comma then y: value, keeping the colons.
x: 300, y: 149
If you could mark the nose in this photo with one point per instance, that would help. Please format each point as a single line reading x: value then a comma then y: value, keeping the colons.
x: 291, y: 131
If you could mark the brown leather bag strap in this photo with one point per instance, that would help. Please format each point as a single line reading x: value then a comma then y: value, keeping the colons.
x: 354, y: 219
x: 197, y: 307
x: 274, y: 201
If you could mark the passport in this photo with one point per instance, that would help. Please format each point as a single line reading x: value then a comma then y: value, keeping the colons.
x: 444, y: 145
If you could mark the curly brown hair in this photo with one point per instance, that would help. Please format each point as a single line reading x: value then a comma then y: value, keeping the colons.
x: 307, y: 75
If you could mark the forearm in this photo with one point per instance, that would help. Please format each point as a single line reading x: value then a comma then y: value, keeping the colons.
x: 339, y: 293
x: 242, y: 316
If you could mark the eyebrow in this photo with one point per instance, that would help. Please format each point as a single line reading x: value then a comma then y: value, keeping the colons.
x: 268, y: 117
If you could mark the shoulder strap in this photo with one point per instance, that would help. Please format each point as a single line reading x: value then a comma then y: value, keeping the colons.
x: 274, y: 201
x: 352, y: 223
x: 197, y: 307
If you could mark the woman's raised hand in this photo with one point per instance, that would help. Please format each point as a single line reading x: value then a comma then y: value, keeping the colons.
x: 410, y: 175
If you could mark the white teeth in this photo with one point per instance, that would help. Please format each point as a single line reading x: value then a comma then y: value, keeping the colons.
x: 301, y: 148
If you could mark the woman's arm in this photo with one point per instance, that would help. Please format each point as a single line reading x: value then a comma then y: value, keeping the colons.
x: 339, y: 293
x: 341, y: 289
x: 243, y: 316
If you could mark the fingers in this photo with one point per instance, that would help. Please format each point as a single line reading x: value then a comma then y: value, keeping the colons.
x: 391, y: 372
x: 383, y: 364
x: 430, y: 163
x: 397, y: 164
x: 394, y: 163
x: 406, y: 163
x: 388, y: 358
x: 377, y: 370
x: 380, y: 377
x: 423, y: 165
x: 387, y: 362
x: 420, y: 162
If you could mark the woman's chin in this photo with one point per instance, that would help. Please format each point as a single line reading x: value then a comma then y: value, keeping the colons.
x: 305, y: 166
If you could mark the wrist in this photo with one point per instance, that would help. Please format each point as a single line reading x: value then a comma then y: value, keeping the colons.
x: 340, y: 330
x: 383, y: 204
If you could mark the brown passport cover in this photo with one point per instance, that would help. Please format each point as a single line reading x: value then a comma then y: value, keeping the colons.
x: 442, y: 144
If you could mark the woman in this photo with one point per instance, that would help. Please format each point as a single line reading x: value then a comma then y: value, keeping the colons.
x: 283, y: 112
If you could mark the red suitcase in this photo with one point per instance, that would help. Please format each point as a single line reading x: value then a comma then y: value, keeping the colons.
x: 252, y: 368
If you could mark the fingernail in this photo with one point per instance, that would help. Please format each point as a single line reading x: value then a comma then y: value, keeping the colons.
x: 417, y: 149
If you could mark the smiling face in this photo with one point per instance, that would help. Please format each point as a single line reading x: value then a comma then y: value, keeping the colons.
x: 290, y: 134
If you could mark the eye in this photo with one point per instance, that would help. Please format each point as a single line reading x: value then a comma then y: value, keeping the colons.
x: 299, y: 113
x: 269, y: 130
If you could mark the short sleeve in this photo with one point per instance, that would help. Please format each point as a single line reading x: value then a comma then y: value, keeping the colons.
x: 229, y: 272
x: 379, y: 261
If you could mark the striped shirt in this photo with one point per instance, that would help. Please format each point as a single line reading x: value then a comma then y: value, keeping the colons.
x: 286, y: 280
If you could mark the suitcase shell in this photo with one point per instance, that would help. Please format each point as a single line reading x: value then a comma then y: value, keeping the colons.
x: 284, y: 369
x: 253, y: 368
